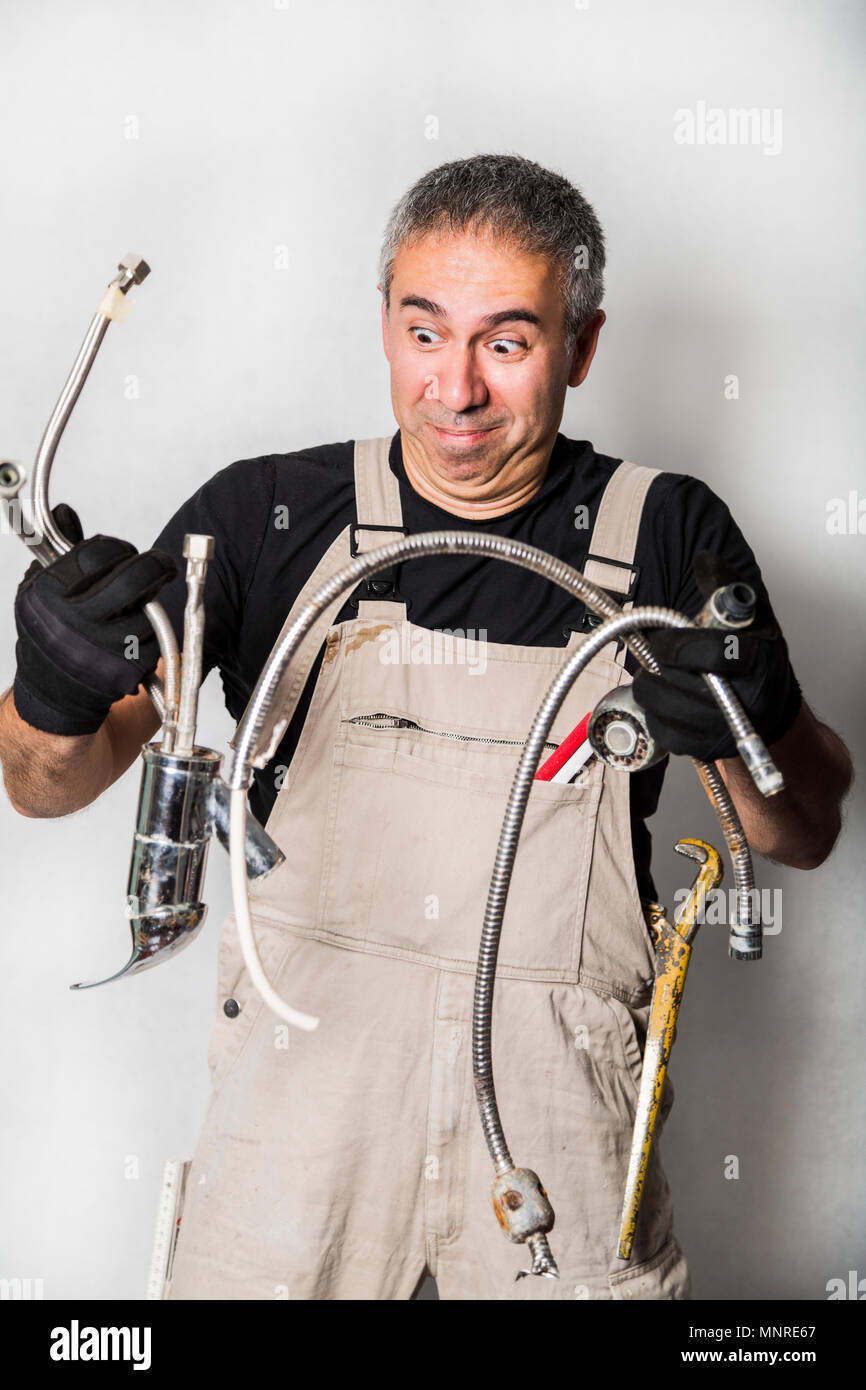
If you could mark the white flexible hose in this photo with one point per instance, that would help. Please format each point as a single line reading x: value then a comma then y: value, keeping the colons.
x: 238, y: 859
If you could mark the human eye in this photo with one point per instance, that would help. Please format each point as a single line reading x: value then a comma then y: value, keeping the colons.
x: 427, y: 339
x: 507, y: 347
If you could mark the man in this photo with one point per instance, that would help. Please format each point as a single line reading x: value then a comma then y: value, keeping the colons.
x: 349, y: 1161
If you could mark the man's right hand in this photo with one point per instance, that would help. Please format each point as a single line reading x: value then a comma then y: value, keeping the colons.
x: 84, y: 641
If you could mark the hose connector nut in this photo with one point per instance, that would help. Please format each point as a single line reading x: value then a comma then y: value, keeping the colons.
x: 521, y: 1204
x: 197, y: 547
x: 133, y: 269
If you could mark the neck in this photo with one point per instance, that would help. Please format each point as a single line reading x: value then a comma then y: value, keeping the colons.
x: 473, y: 500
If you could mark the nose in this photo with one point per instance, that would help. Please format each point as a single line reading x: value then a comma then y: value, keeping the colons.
x: 458, y: 381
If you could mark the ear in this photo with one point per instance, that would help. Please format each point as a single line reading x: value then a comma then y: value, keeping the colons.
x: 584, y: 348
x: 384, y: 326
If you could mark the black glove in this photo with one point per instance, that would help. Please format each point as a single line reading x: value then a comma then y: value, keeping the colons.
x: 74, y: 621
x: 682, y: 713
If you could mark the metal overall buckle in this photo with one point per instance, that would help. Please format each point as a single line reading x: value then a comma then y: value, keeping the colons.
x: 590, y: 620
x: 381, y: 586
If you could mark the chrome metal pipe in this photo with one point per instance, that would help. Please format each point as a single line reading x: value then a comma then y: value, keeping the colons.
x: 12, y: 480
x: 54, y: 430
x: 198, y: 551
x: 132, y: 270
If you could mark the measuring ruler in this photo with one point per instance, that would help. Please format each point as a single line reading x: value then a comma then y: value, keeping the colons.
x: 167, y: 1222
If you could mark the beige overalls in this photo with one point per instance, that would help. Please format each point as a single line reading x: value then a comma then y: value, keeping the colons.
x: 337, y: 1164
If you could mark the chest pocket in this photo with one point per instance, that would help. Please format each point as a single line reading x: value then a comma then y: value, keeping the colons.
x: 413, y: 827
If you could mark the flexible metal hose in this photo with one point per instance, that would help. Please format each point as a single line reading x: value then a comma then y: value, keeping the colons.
x: 516, y: 552
x: 410, y: 548
x: 744, y: 940
x: 766, y: 776
x: 649, y: 617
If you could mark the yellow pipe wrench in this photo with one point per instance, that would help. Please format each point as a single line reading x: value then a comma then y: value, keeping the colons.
x: 673, y: 948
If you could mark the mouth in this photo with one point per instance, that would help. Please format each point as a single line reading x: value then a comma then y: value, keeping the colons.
x: 463, y: 438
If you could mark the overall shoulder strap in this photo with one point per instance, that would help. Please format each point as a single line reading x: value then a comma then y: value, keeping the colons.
x: 610, y: 562
x: 377, y: 490
x: 379, y: 520
x: 378, y: 500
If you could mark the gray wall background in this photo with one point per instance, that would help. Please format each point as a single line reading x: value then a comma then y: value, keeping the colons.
x: 261, y: 126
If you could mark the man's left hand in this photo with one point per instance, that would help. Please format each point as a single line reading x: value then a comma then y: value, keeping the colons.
x: 681, y: 711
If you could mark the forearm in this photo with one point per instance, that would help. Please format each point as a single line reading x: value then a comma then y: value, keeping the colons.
x: 48, y: 774
x: 800, y: 825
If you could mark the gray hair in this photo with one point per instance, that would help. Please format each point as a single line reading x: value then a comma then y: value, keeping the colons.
x: 519, y: 202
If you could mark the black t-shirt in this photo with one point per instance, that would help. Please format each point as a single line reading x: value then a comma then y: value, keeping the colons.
x: 274, y: 517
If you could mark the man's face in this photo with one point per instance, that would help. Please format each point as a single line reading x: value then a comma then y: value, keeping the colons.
x: 479, y: 369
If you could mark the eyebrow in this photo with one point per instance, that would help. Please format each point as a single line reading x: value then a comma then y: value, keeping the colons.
x: 429, y: 306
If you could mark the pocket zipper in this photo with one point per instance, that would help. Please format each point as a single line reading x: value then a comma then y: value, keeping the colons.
x: 396, y: 721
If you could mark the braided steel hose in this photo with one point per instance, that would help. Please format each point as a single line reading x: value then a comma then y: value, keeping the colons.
x: 539, y: 562
x: 745, y: 936
x: 500, y: 882
x: 410, y: 548
x: 751, y: 748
